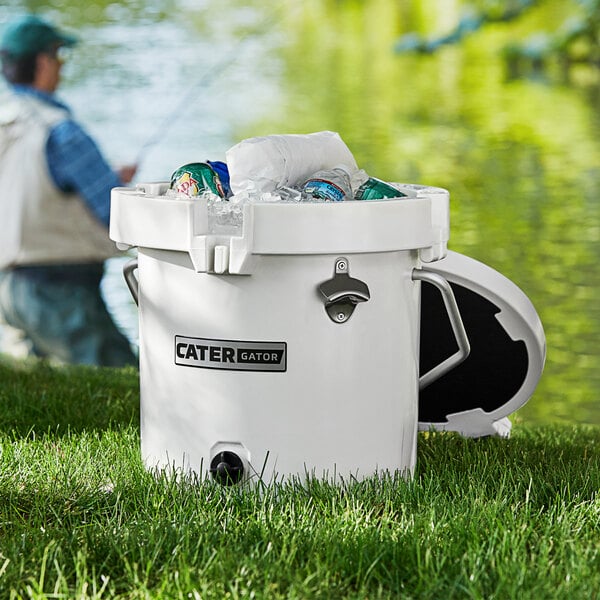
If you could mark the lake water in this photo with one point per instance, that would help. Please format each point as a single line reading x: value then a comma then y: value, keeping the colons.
x: 520, y: 156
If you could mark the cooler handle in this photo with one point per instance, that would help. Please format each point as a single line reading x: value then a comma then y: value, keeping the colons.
x: 464, y: 348
x: 130, y: 279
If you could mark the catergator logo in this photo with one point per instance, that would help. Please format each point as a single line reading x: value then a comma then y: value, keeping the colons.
x: 232, y: 355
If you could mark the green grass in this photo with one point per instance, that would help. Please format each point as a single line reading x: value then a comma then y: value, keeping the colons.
x: 81, y: 518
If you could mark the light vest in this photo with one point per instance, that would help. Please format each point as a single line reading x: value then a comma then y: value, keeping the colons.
x: 39, y: 223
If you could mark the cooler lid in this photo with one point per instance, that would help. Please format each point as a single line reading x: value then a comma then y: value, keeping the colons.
x: 145, y: 216
x: 508, y: 350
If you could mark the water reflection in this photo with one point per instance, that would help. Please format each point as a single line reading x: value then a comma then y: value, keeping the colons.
x: 520, y: 157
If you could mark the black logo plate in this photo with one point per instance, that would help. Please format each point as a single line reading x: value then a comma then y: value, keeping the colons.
x: 233, y: 355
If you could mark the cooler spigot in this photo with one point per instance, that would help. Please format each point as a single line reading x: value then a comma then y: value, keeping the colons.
x: 227, y: 468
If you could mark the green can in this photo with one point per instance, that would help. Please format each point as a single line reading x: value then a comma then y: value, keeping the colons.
x: 375, y: 189
x: 195, y: 178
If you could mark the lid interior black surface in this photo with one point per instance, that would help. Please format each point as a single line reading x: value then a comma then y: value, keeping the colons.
x: 491, y: 375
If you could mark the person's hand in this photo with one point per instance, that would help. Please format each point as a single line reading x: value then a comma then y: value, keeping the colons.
x: 127, y: 173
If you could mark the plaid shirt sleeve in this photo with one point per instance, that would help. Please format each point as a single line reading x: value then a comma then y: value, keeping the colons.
x: 77, y: 165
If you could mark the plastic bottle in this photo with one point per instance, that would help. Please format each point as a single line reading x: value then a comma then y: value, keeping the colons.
x: 375, y: 189
x: 331, y: 184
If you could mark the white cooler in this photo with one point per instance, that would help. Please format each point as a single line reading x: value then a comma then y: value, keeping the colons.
x: 292, y: 348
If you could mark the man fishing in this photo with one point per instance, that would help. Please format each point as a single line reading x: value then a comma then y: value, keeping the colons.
x: 54, y: 208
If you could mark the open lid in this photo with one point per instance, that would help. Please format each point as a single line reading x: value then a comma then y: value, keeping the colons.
x: 508, y: 350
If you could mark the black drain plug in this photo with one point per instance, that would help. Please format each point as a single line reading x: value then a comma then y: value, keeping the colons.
x: 227, y: 468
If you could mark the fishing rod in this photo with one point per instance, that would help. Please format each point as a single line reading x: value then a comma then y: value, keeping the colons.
x: 206, y: 79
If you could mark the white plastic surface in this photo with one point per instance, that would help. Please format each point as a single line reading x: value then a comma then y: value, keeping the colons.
x: 346, y: 403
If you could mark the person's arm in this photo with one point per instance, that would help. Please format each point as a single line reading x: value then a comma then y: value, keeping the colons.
x: 77, y: 165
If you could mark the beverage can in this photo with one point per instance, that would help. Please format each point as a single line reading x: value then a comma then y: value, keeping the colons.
x: 195, y: 178
x: 375, y: 189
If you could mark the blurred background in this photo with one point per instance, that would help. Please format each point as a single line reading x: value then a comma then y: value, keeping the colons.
x: 497, y: 101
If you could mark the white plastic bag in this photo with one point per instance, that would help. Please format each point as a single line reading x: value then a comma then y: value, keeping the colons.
x: 263, y: 164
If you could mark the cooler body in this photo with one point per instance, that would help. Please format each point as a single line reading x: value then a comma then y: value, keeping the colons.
x: 255, y: 366
x: 286, y: 343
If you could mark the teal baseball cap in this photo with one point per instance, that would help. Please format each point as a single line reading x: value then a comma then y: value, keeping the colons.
x: 30, y: 34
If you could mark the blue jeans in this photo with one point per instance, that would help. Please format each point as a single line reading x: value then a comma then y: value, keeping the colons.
x: 61, y: 312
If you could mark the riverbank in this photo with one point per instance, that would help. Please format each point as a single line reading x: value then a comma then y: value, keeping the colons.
x: 81, y: 518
